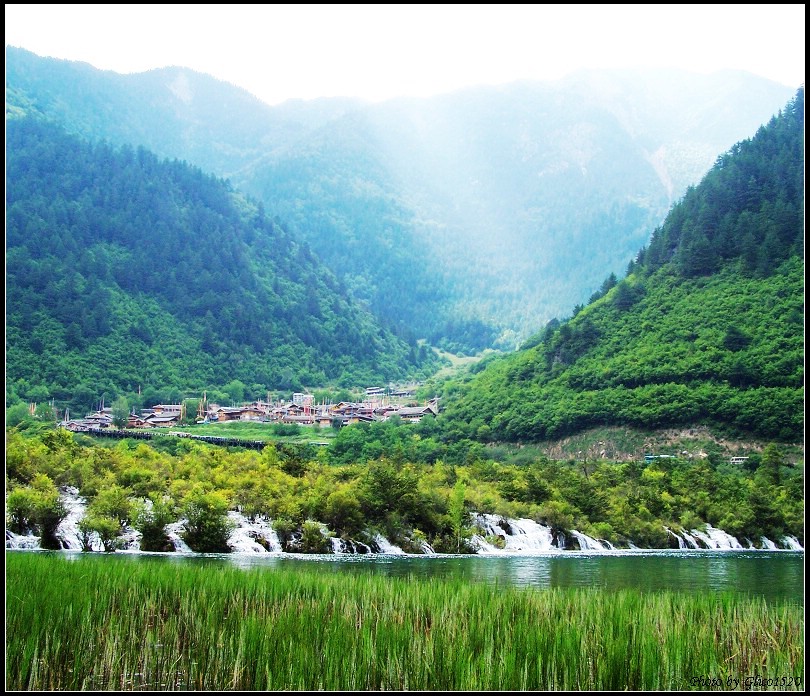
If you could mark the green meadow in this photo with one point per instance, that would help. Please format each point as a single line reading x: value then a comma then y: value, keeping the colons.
x: 106, y: 623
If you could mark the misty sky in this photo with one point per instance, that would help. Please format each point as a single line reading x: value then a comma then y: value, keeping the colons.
x: 278, y: 52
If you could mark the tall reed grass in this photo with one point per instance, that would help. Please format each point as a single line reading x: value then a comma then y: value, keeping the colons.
x: 107, y: 623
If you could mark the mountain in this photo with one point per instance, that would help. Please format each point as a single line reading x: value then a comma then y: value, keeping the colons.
x: 470, y: 219
x: 125, y: 271
x: 175, y: 112
x: 707, y: 327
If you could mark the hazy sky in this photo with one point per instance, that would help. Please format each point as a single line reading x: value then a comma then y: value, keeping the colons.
x: 279, y: 52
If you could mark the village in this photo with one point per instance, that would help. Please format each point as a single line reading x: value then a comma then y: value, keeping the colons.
x: 379, y: 405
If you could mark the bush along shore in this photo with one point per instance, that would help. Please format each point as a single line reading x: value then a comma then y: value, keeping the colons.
x: 69, y: 491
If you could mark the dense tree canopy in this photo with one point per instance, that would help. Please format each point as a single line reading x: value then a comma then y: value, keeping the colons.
x: 125, y: 271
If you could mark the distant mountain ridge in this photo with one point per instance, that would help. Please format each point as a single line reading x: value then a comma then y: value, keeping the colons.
x: 706, y: 329
x: 470, y: 219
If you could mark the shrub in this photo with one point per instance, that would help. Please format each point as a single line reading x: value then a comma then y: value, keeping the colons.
x: 207, y: 527
x: 151, y: 521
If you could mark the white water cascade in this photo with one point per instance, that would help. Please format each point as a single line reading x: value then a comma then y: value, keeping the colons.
x: 691, y: 542
x: 495, y: 535
x: 681, y: 542
x: 587, y: 543
x: 21, y: 541
x: 68, y: 532
x: 348, y: 547
x: 427, y: 549
x: 516, y: 536
x: 685, y: 539
x: 174, y: 532
x: 386, y: 546
x: 792, y: 543
x: 257, y: 536
x: 714, y: 538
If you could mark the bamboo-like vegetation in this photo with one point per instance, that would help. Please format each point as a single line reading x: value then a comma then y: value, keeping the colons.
x: 107, y: 623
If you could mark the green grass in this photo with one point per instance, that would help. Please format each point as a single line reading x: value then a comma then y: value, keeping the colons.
x: 247, y: 430
x: 107, y: 623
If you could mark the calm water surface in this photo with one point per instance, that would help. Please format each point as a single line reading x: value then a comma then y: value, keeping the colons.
x: 772, y: 575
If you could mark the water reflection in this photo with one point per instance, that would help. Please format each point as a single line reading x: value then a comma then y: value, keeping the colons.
x: 771, y: 575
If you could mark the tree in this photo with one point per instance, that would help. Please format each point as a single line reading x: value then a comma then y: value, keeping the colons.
x: 343, y: 513
x: 772, y: 460
x: 207, y: 527
x: 457, y: 512
x: 113, y: 502
x: 151, y: 520
x: 120, y: 412
x: 313, y: 538
x: 735, y: 339
x: 38, y: 507
x: 235, y: 389
x: 18, y: 414
x: 106, y: 528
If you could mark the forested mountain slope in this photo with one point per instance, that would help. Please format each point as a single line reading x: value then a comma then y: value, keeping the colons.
x: 470, y: 218
x: 127, y: 272
x: 707, y: 328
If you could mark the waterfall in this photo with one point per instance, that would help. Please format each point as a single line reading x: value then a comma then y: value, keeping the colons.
x: 517, y: 536
x: 491, y: 526
x: 495, y: 535
x: 587, y: 543
x: 173, y: 531
x: 68, y: 532
x: 349, y: 546
x: 792, y: 543
x: 681, y: 541
x: 427, y: 549
x: 21, y: 541
x: 256, y: 536
x: 717, y: 539
x: 386, y: 546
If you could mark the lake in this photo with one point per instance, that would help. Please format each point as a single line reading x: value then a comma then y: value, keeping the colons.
x: 773, y: 575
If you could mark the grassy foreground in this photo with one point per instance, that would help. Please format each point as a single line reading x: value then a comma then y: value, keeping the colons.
x: 106, y: 623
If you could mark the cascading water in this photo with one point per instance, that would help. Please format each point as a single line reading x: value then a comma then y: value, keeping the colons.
x: 681, y: 541
x: 350, y: 547
x: 714, y: 538
x: 792, y: 543
x: 690, y: 540
x: 386, y: 546
x: 21, y: 541
x: 515, y: 536
x: 427, y: 549
x: 253, y: 536
x: 587, y: 543
x: 68, y: 532
x: 685, y: 539
x: 174, y: 532
x: 496, y: 535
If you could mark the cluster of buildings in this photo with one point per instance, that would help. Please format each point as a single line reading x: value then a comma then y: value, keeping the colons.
x: 301, y: 411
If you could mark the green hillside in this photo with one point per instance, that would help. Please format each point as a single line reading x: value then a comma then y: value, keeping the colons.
x: 469, y: 219
x: 126, y: 272
x: 707, y: 328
